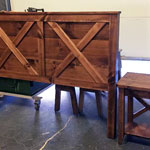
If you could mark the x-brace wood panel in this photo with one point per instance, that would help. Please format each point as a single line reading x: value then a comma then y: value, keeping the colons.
x: 12, y: 48
x: 16, y: 41
x: 143, y: 110
x: 76, y: 50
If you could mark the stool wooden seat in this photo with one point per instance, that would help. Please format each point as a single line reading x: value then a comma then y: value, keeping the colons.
x: 98, y: 99
x: 133, y: 85
x: 71, y: 90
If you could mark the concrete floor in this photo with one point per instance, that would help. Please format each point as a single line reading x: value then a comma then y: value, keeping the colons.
x: 24, y: 128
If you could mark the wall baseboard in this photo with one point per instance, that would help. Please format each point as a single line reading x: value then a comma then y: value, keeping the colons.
x: 135, y: 58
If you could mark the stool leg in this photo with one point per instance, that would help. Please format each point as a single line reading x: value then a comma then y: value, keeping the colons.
x: 111, y: 111
x: 57, y: 98
x: 81, y: 100
x: 121, y: 120
x: 98, y: 102
x: 74, y: 101
x: 130, y: 109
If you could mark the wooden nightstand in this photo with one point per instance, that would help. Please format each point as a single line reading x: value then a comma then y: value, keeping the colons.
x: 133, y: 85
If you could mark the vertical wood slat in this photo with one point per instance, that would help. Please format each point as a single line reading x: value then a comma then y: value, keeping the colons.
x: 82, y: 43
x: 17, y: 53
x: 41, y: 52
x: 130, y: 108
x: 16, y: 41
x: 121, y: 118
x: 113, y: 48
x: 90, y: 69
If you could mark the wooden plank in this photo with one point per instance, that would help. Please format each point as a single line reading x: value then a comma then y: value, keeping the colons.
x: 41, y: 51
x: 136, y: 81
x: 32, y: 49
x: 113, y: 47
x: 77, y: 72
x: 14, y: 65
x: 81, y: 99
x: 11, y: 28
x: 111, y: 110
x: 13, y: 75
x: 17, y: 53
x: 16, y: 41
x: 85, y: 13
x: 77, y: 18
x: 76, y: 51
x: 140, y: 112
x: 98, y: 61
x: 130, y: 108
x: 62, y: 13
x: 143, y: 94
x: 72, y: 30
x: 112, y: 96
x: 95, y: 47
x: 140, y: 100
x: 121, y: 116
x: 82, y: 84
x: 140, y: 130
x: 22, y: 17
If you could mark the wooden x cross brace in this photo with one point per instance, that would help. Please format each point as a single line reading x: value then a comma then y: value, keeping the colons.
x: 76, y: 50
x: 12, y: 48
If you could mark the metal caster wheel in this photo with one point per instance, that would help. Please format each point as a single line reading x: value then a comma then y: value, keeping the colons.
x: 37, y: 104
x: 1, y: 96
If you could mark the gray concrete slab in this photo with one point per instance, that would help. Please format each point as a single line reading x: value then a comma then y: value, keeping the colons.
x: 23, y: 128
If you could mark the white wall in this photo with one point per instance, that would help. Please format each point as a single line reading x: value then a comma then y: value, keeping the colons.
x: 134, y: 23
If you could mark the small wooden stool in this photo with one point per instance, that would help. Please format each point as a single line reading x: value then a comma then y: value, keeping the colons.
x: 138, y: 86
x: 58, y: 89
x: 98, y: 99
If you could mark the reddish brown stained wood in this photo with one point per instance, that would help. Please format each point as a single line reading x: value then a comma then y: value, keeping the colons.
x: 17, y: 53
x: 76, y: 73
x: 140, y: 100
x: 13, y: 75
x: 71, y: 90
x: 82, y: 84
x: 121, y: 119
x: 98, y: 99
x: 14, y: 65
x: 143, y: 94
x: 133, y: 86
x: 76, y: 52
x: 41, y: 52
x: 62, y: 13
x: 16, y: 41
x: 141, y: 130
x: 22, y: 16
x: 72, y: 30
x: 78, y: 18
x: 111, y: 111
x: 84, y: 41
x: 140, y: 112
x: 136, y: 81
x: 130, y: 108
x: 98, y: 57
x: 113, y: 48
